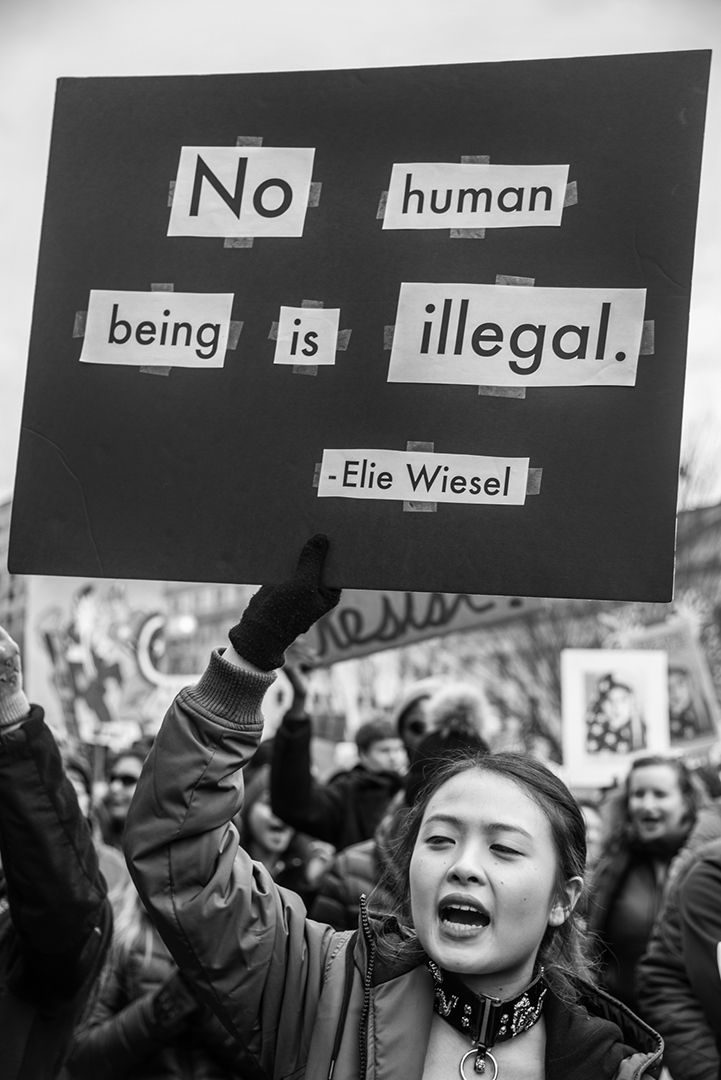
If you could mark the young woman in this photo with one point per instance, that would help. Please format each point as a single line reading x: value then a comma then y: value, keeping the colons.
x: 649, y: 821
x: 491, y: 860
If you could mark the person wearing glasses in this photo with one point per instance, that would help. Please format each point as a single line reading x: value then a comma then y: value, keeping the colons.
x: 123, y: 777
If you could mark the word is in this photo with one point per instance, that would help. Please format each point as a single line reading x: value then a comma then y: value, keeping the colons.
x: 307, y: 336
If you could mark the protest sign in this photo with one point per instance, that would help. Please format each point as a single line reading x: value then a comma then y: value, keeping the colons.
x: 439, y: 313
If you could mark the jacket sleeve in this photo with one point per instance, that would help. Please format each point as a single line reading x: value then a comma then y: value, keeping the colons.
x: 700, y: 911
x: 296, y: 797
x: 60, y: 915
x: 242, y: 941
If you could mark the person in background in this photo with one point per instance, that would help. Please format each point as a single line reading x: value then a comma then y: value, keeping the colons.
x: 614, y: 722
x: 487, y: 974
x: 144, y: 1022
x: 123, y: 774
x: 55, y: 919
x: 289, y: 856
x: 410, y: 713
x: 349, y: 808
x: 677, y: 978
x: 112, y: 864
x: 649, y: 821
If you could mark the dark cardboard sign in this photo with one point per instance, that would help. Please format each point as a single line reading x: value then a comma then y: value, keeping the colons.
x: 439, y: 313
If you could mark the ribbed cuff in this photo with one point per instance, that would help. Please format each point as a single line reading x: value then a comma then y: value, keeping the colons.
x: 230, y: 695
x: 13, y: 708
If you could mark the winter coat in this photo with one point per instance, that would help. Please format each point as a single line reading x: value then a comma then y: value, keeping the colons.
x: 306, y: 1000
x: 345, y: 811
x: 624, y: 899
x: 359, y: 870
x: 55, y: 920
x: 144, y: 1023
x: 672, y: 979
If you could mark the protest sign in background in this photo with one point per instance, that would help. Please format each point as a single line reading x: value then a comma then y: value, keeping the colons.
x: 266, y: 303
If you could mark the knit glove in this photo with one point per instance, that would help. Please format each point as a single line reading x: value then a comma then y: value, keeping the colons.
x: 277, y: 614
x: 14, y: 705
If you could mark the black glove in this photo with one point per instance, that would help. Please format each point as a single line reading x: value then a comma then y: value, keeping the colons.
x: 277, y: 614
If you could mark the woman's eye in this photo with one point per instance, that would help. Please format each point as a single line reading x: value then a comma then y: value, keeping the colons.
x: 502, y: 849
x: 438, y: 841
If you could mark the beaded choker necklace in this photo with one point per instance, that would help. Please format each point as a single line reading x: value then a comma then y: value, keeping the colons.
x: 487, y: 1020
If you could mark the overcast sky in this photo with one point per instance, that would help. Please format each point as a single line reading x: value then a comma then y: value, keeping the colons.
x: 42, y: 40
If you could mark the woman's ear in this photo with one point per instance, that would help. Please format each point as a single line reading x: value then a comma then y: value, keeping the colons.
x: 566, y: 902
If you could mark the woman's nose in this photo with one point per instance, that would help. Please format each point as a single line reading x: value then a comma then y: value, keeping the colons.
x: 467, y: 866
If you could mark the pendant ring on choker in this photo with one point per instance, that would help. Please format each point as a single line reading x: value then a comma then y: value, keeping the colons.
x: 474, y: 1052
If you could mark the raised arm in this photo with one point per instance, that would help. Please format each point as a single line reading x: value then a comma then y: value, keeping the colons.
x: 242, y: 941
x: 57, y: 922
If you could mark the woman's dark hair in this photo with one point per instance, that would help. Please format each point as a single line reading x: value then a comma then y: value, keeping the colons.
x: 619, y: 830
x: 562, y: 949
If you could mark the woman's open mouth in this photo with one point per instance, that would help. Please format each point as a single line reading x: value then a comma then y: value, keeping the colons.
x: 462, y: 919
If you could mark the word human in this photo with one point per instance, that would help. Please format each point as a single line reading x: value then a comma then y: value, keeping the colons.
x: 509, y: 335
x: 444, y: 194
x: 421, y: 476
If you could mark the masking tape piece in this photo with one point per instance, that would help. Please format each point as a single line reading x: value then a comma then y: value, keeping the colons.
x: 511, y: 279
x: 235, y: 329
x: 382, y: 203
x: 468, y: 234
x: 571, y: 198
x: 388, y: 337
x: 162, y: 286
x: 304, y: 369
x: 533, y: 483
x: 502, y: 391
x: 171, y: 192
x: 420, y: 507
x: 475, y: 159
x: 273, y: 332
x: 81, y: 317
x: 316, y: 473
x: 314, y: 193
x: 312, y: 303
x: 249, y: 140
x: 412, y: 507
x: 648, y: 338
x: 238, y: 242
x: 343, y: 340
x: 154, y: 370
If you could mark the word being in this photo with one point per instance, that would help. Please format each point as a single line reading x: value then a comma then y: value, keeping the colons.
x: 442, y: 195
x: 241, y: 191
x: 422, y: 477
x: 307, y: 336
x: 157, y: 328
x: 501, y: 335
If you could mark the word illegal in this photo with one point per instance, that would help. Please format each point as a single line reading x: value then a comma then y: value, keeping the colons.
x: 525, y: 341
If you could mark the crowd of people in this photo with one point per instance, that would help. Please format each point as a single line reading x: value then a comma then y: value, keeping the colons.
x: 223, y: 912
